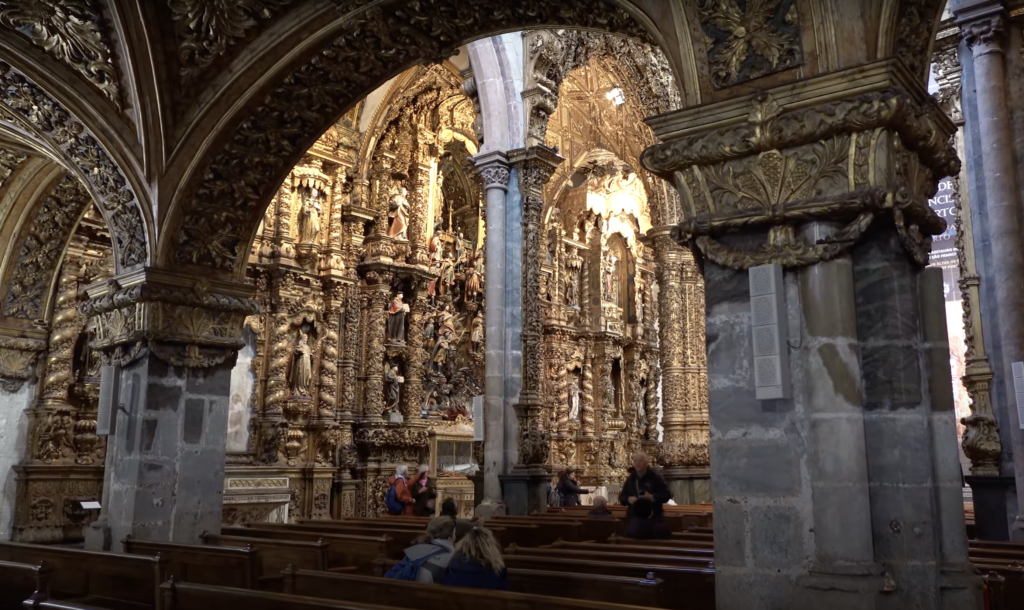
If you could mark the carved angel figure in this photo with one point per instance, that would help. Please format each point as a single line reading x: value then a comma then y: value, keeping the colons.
x: 309, y: 227
x: 399, y: 214
x: 302, y: 367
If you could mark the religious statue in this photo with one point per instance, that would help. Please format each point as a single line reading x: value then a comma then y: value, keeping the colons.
x: 439, y: 356
x: 429, y: 332
x: 309, y: 227
x: 302, y: 367
x: 399, y: 214
x: 447, y: 275
x: 472, y: 282
x: 460, y: 252
x: 394, y: 383
x: 434, y: 244
x: 609, y: 281
x: 445, y: 320
x: 570, y: 289
x: 574, y: 398
x: 641, y: 414
x: 476, y: 335
x: 396, y: 319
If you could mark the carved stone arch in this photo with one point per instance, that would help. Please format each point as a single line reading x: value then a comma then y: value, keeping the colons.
x: 908, y: 29
x: 214, y: 215
x: 31, y: 114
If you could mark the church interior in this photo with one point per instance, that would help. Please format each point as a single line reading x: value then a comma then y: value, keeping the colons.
x: 268, y: 259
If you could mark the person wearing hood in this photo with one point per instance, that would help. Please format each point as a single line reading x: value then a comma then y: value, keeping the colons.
x: 477, y: 563
x: 431, y: 552
x: 423, y: 493
x: 401, y: 485
x: 644, y: 483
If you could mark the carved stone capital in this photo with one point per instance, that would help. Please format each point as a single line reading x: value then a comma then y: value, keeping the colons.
x: 983, y: 29
x: 791, y: 160
x: 184, y: 321
x: 494, y: 169
x: 18, y: 357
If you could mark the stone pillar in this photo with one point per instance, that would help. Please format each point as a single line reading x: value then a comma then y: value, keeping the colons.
x: 683, y: 451
x: 176, y: 340
x: 838, y: 495
x: 525, y: 488
x: 494, y: 170
x: 983, y: 26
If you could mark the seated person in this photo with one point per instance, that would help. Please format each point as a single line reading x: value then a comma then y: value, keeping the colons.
x: 644, y: 525
x: 477, y: 563
x: 450, y: 509
x: 427, y: 559
x: 600, y: 510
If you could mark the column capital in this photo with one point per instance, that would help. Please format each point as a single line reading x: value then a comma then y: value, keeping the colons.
x: 184, y: 320
x: 982, y: 25
x: 493, y: 167
x: 737, y: 173
x: 536, y: 165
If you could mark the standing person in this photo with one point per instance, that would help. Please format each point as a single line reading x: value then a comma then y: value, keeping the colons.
x: 646, y: 484
x: 477, y: 563
x: 570, y: 491
x: 427, y: 559
x: 423, y: 493
x: 398, y: 500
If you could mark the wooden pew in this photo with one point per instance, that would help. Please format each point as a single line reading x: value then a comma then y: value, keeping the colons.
x: 187, y: 596
x: 381, y: 591
x: 103, y: 579
x: 682, y: 561
x: 276, y: 555
x: 547, y: 531
x: 668, y: 544
x: 45, y: 603
x: 204, y: 565
x: 586, y: 529
x: 23, y: 581
x: 603, y: 548
x: 342, y: 549
x: 688, y: 588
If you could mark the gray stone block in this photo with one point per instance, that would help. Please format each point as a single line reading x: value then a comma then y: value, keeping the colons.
x: 754, y: 467
x: 776, y: 537
x: 192, y: 432
x: 730, y: 532
x: 836, y: 446
x: 842, y: 523
x: 892, y: 376
x: 149, y: 426
x: 211, y: 382
x: 160, y: 397
x: 899, y: 449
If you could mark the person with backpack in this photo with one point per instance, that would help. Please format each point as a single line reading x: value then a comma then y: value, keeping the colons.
x: 398, y: 500
x: 427, y: 559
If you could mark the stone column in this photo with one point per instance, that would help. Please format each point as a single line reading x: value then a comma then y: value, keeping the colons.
x: 176, y: 340
x: 683, y: 451
x: 838, y: 493
x: 494, y: 170
x: 983, y: 26
x: 525, y: 488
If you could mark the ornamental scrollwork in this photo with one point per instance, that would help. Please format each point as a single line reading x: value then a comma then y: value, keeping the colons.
x: 214, y: 231
x: 72, y: 32
x: 36, y: 109
x: 207, y: 29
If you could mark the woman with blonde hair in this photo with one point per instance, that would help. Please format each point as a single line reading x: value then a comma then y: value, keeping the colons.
x: 477, y: 562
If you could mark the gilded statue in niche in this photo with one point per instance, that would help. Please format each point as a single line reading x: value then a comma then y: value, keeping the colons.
x: 473, y: 278
x: 302, y: 366
x: 476, y: 335
x: 397, y: 311
x: 309, y: 225
x: 393, y: 379
x: 399, y: 214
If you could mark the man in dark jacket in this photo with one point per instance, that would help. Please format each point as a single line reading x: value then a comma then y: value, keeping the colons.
x: 644, y: 526
x: 646, y: 484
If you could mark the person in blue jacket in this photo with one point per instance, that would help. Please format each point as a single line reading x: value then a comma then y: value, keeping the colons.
x: 477, y: 563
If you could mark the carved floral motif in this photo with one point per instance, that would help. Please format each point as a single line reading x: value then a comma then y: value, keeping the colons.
x: 748, y: 39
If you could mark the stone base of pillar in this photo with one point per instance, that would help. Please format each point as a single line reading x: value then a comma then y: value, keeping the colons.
x: 990, y: 493
x: 488, y: 509
x: 525, y: 490
x: 688, y: 485
x: 98, y: 537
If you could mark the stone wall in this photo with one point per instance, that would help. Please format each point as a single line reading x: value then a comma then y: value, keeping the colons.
x: 13, y: 443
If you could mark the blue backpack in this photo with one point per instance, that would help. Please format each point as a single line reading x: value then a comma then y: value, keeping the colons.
x: 409, y: 570
x: 391, y: 502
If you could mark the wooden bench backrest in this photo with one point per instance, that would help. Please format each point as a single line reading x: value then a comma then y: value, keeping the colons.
x: 399, y: 538
x: 600, y: 547
x: 586, y: 529
x: 201, y: 564
x: 343, y: 549
x: 382, y: 591
x: 188, y: 596
x: 84, y: 574
x: 547, y: 531
x: 20, y: 581
x: 669, y: 544
x: 276, y: 555
x: 637, y: 558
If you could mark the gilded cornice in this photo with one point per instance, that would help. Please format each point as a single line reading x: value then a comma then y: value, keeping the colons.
x: 72, y: 31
